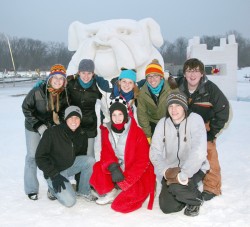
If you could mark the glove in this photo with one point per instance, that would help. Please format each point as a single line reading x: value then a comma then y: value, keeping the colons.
x: 171, y: 175
x: 58, y: 182
x: 197, y: 177
x: 42, y: 129
x: 116, y: 173
x: 210, y: 136
x: 149, y: 140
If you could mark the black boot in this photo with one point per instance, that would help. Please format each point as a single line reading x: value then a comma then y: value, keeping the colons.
x: 192, y: 210
x: 33, y: 196
x: 207, y: 195
x: 50, y: 195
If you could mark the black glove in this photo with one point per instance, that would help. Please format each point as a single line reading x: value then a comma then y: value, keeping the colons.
x: 197, y: 177
x: 210, y: 136
x: 116, y: 173
x: 58, y: 182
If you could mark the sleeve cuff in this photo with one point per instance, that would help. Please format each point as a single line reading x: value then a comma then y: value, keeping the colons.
x: 183, y: 182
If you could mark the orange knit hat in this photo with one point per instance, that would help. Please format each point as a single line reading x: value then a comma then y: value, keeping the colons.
x: 154, y: 67
x: 57, y: 69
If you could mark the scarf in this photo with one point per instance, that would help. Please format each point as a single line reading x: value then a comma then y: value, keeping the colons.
x: 127, y: 96
x: 85, y: 85
x: 156, y: 90
x: 118, y: 128
x: 54, y: 104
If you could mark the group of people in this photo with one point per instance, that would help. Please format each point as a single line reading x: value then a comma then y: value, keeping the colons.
x: 154, y: 129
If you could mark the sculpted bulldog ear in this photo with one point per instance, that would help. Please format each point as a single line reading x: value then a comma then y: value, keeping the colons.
x: 154, y: 31
x: 76, y: 33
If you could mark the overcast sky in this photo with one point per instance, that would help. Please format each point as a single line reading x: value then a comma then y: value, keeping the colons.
x: 48, y: 20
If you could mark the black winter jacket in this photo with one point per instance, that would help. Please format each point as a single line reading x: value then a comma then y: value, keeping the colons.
x: 209, y: 102
x: 58, y: 149
x: 85, y: 99
x: 35, y: 108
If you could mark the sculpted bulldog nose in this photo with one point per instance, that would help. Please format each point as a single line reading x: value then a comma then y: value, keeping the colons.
x: 104, y: 34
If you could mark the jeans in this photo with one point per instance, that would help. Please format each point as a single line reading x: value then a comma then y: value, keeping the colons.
x: 91, y: 151
x: 31, y: 184
x: 83, y: 164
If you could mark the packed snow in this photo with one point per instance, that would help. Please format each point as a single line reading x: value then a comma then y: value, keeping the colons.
x: 232, y: 208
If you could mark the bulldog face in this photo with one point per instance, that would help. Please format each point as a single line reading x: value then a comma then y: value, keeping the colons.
x: 114, y: 44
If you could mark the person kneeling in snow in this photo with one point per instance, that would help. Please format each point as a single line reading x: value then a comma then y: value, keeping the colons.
x: 124, y: 175
x: 178, y: 152
x: 61, y: 154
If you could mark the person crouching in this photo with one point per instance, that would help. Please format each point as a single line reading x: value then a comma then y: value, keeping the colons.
x: 61, y: 154
x: 124, y: 176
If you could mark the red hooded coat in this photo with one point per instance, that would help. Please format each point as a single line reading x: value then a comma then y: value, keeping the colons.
x: 139, y: 174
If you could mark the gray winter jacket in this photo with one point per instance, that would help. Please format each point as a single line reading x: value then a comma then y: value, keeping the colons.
x: 190, y: 156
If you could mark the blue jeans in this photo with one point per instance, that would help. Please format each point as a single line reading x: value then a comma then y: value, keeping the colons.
x: 31, y: 184
x: 83, y: 164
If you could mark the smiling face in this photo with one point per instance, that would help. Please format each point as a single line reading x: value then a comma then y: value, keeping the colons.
x: 176, y: 112
x: 153, y: 79
x: 127, y: 85
x: 86, y: 76
x: 117, y: 117
x: 73, y: 122
x: 57, y: 81
x: 193, y: 77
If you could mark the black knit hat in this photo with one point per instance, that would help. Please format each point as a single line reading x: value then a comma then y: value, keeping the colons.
x: 119, y: 103
x: 177, y: 97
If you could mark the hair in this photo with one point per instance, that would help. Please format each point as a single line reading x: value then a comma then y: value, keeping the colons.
x: 136, y: 91
x: 193, y: 63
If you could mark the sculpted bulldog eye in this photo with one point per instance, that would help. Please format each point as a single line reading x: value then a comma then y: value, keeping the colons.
x: 124, y: 31
x: 92, y: 34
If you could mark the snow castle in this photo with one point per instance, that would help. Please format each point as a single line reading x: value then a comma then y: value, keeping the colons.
x: 220, y: 63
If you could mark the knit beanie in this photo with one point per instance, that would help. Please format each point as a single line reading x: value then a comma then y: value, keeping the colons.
x: 154, y: 67
x: 177, y: 97
x: 86, y: 65
x: 127, y: 74
x: 57, y: 69
x: 119, y: 103
x: 72, y: 111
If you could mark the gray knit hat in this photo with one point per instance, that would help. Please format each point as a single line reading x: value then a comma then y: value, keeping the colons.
x: 177, y: 97
x: 72, y: 111
x: 86, y: 65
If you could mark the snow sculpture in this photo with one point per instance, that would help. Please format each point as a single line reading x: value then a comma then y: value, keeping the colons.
x: 223, y: 59
x: 114, y: 44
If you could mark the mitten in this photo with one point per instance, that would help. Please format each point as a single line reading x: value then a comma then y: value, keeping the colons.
x: 42, y: 129
x: 58, y: 182
x: 172, y: 172
x: 116, y: 173
x: 172, y: 82
x: 171, y: 175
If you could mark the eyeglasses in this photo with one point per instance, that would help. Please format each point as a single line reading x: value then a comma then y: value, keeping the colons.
x: 192, y: 71
x: 154, y: 76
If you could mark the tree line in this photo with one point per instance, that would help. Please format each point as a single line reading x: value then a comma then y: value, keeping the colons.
x: 30, y: 54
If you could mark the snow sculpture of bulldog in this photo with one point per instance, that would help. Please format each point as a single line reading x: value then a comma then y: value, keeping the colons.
x: 114, y: 44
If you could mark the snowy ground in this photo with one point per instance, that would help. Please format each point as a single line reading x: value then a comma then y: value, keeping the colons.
x: 230, y: 209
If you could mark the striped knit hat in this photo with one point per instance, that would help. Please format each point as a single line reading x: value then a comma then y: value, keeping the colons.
x: 57, y: 69
x: 154, y: 67
x: 177, y: 97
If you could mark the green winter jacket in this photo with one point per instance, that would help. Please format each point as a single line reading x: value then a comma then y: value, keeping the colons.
x: 148, y: 111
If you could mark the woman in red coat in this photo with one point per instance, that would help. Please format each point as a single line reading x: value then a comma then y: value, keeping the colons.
x: 124, y: 174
